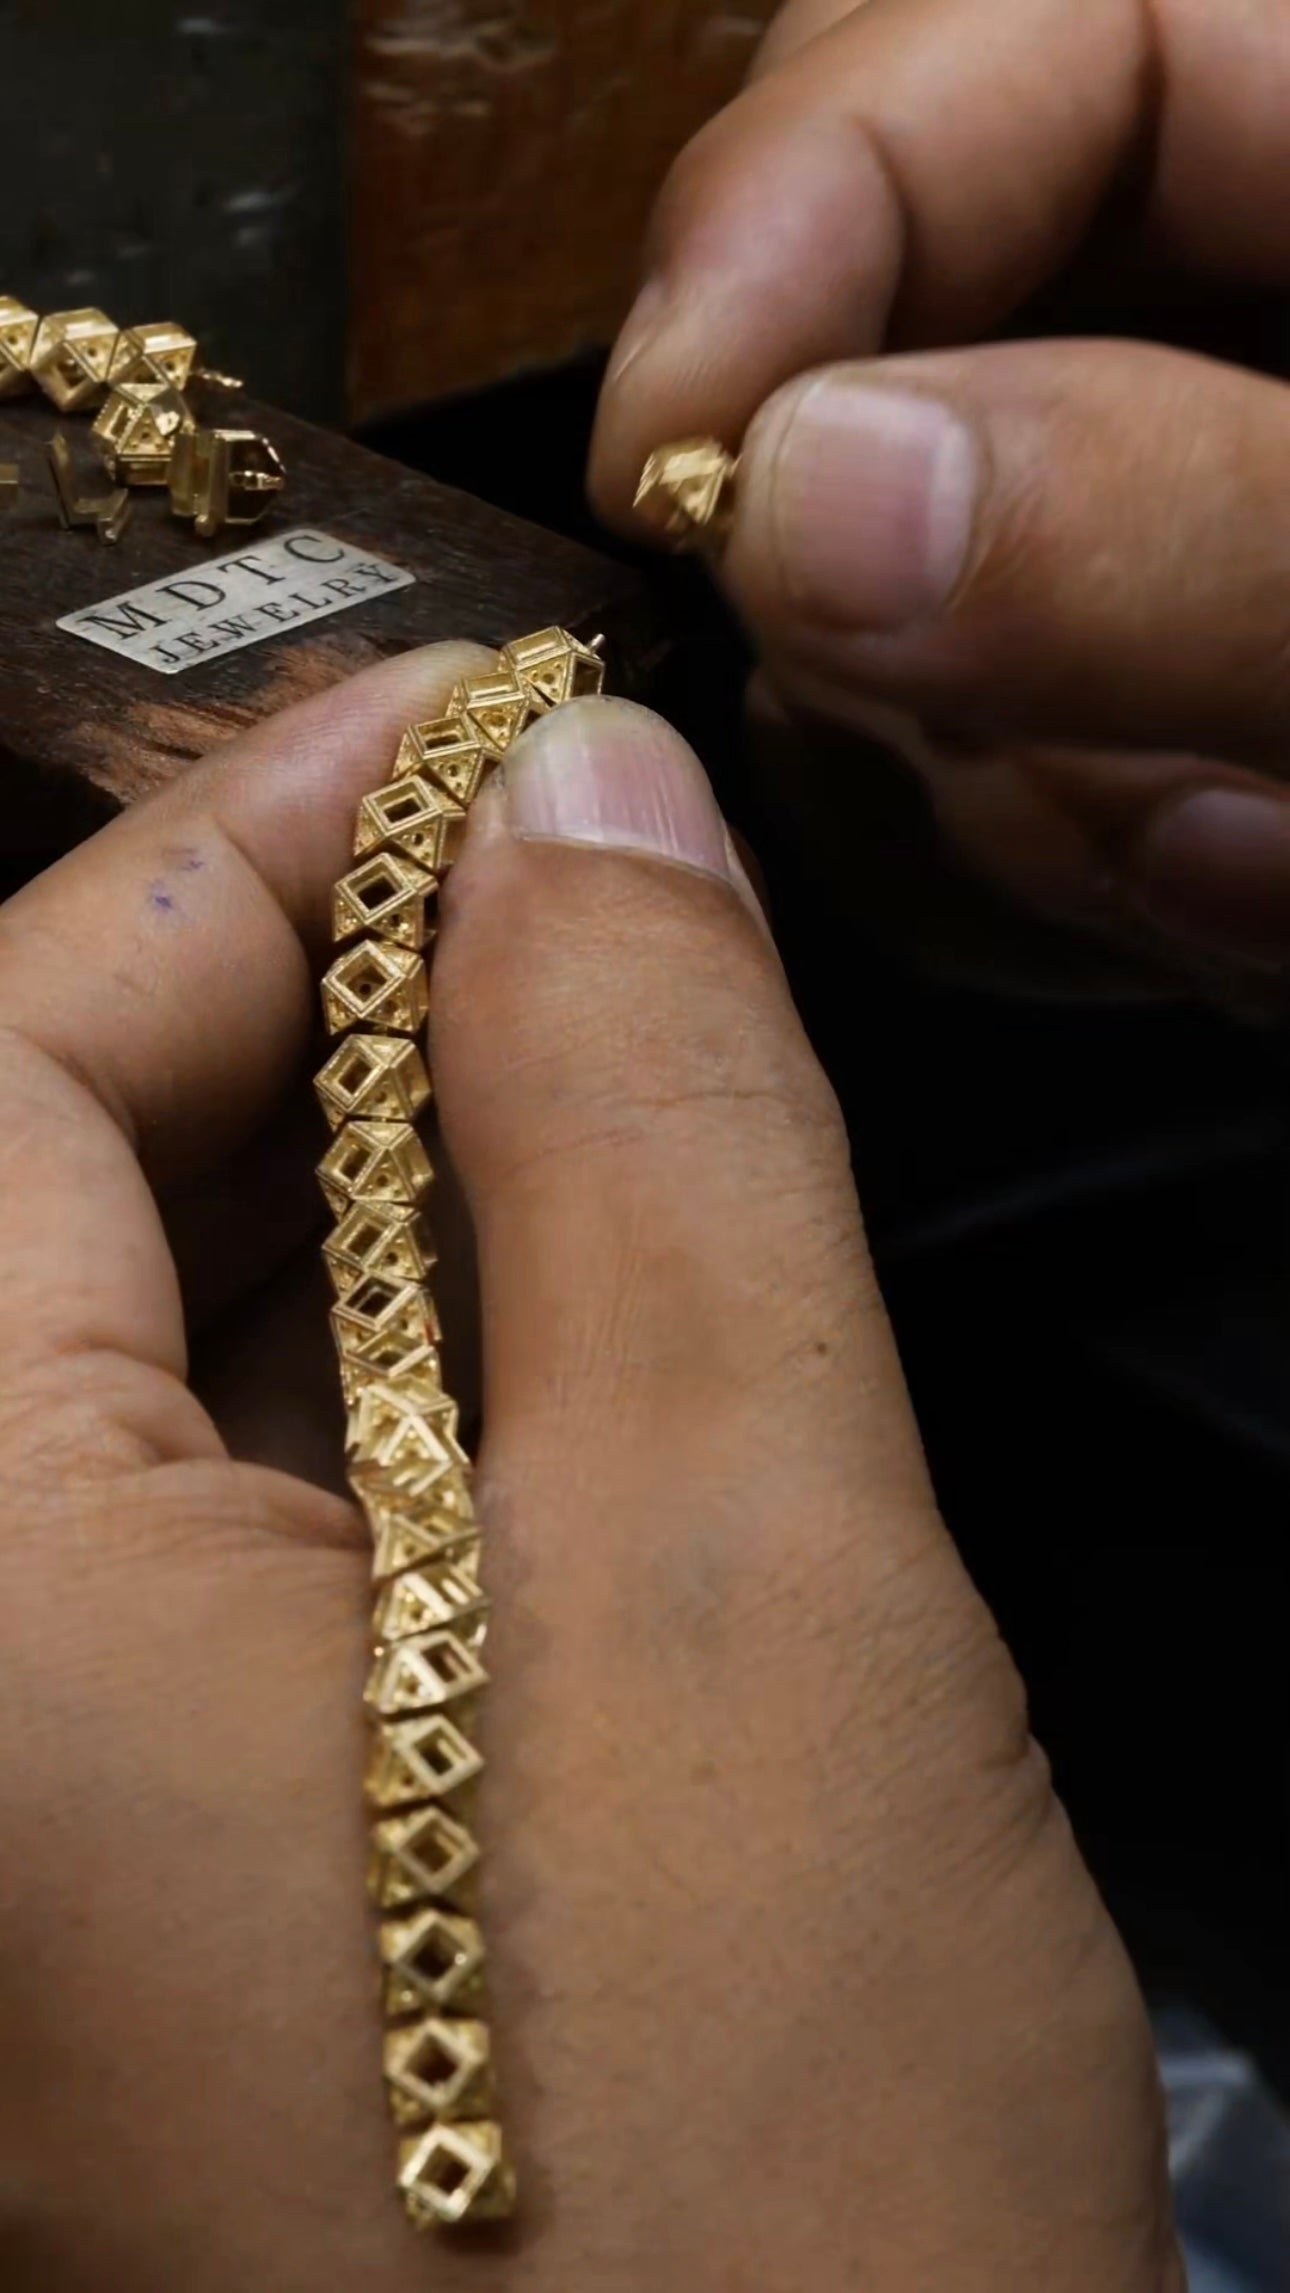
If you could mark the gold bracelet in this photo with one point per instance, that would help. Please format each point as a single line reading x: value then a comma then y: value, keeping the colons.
x: 406, y: 1466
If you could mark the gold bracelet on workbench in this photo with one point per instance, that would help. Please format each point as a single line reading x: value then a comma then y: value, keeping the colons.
x: 406, y: 1465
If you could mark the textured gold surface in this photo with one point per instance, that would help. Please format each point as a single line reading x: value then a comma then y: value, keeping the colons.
x: 138, y: 429
x: 407, y: 1466
x: 71, y: 355
x: 146, y: 432
x: 224, y: 477
x: 109, y: 513
x: 17, y: 338
x: 456, y: 2173
x: 144, y: 353
x: 377, y: 985
x: 687, y: 493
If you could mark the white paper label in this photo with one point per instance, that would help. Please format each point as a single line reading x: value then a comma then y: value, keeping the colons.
x: 242, y: 599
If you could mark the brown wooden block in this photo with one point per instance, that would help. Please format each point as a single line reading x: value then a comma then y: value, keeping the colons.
x: 505, y: 162
x: 84, y: 730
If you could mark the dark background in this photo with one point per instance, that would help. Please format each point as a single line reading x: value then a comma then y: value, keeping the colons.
x: 164, y: 160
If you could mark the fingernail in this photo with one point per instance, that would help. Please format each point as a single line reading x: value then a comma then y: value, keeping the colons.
x: 872, y: 499
x: 1214, y: 868
x: 609, y: 774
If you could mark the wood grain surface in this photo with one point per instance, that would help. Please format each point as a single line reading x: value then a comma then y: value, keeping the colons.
x: 506, y: 154
x: 83, y: 731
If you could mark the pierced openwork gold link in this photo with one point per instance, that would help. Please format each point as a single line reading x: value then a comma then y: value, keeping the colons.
x: 146, y: 432
x: 687, y: 493
x: 407, y: 1467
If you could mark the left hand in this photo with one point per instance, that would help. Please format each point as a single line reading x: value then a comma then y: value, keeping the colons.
x: 799, y: 1977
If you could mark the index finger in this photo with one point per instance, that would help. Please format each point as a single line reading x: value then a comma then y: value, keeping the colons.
x: 910, y: 174
x: 156, y: 996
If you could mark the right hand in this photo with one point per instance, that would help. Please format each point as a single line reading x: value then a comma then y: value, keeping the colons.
x: 1050, y: 575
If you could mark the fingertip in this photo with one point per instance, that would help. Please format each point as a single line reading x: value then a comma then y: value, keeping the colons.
x: 608, y: 775
x: 776, y: 247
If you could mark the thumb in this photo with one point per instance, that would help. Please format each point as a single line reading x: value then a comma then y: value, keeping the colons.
x: 656, y: 1165
x: 780, y: 1814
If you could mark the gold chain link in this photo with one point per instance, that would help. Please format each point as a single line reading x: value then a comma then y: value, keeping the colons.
x: 407, y: 1468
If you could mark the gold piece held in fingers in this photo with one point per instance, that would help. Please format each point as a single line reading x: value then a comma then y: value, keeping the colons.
x: 687, y: 493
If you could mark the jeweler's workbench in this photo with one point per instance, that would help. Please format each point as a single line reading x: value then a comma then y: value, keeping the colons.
x: 85, y: 729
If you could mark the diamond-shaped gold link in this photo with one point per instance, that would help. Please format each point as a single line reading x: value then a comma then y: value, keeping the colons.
x: 418, y: 1369
x: 377, y: 985
x: 424, y: 1857
x: 17, y: 339
x: 71, y: 355
x: 383, y: 1161
x: 408, y: 1528
x: 687, y: 492
x: 554, y: 668
x: 418, y: 1760
x: 414, y: 817
x: 456, y: 2174
x: 378, y: 1307
x: 438, y: 2069
x: 137, y: 430
x: 162, y: 348
x: 413, y: 1443
x: 444, y: 1593
x: 385, y: 897
x: 448, y: 752
x: 424, y: 1674
x: 376, y: 1078
x: 498, y: 709
x: 434, y: 1963
x: 383, y: 1238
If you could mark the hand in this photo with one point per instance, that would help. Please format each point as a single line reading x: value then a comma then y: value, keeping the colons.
x: 1049, y: 575
x: 799, y: 1979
